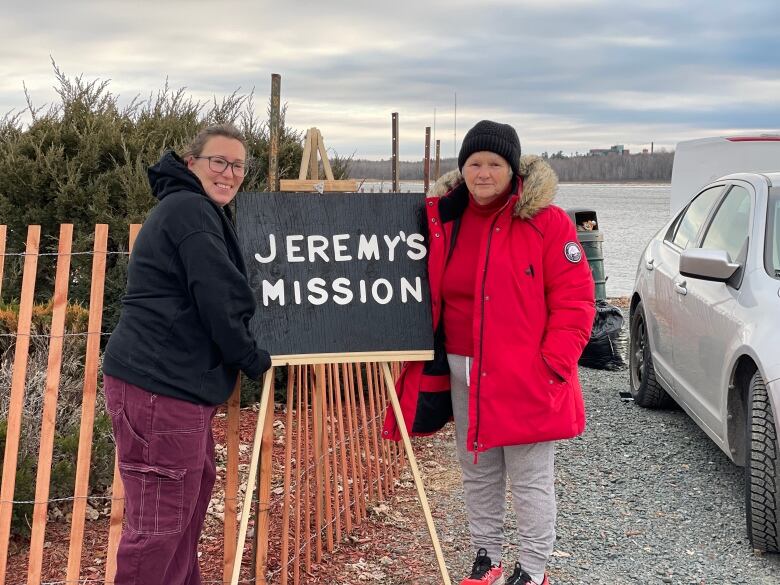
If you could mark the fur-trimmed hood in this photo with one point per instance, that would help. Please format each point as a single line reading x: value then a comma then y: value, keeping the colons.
x: 540, y: 185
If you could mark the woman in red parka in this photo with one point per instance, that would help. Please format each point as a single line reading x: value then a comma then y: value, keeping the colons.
x: 513, y: 304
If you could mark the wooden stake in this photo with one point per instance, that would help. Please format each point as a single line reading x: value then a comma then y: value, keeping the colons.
x: 338, y: 398
x: 374, y: 428
x: 436, y: 172
x: 353, y: 445
x: 382, y: 407
x: 360, y: 447
x: 274, y: 132
x: 307, y: 475
x: 88, y: 402
x: 326, y: 418
x: 334, y: 456
x: 60, y: 304
x: 252, y: 479
x: 366, y: 443
x: 298, y: 476
x: 288, y: 430
x: 427, y: 160
x: 390, y: 446
x: 16, y: 403
x: 317, y: 396
x: 399, y: 417
x: 394, y: 154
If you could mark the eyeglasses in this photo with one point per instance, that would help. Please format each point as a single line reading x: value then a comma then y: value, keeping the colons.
x: 219, y: 164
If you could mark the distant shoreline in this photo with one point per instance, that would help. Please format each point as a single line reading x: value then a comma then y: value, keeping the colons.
x: 634, y: 182
x: 630, y: 168
x: 583, y: 182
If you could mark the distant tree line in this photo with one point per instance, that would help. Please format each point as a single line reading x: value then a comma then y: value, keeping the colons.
x: 615, y: 168
x: 408, y: 170
x: 608, y: 168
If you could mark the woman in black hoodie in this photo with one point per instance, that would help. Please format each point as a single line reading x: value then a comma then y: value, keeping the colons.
x: 175, y: 356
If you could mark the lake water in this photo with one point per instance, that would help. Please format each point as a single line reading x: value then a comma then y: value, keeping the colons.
x: 628, y: 215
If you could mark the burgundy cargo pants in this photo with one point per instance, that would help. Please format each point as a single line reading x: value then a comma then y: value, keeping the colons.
x: 166, y: 460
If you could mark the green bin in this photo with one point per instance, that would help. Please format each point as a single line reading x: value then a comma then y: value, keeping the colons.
x: 590, y: 239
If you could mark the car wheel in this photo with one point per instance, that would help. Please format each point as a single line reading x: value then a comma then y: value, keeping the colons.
x: 645, y: 389
x: 762, y: 470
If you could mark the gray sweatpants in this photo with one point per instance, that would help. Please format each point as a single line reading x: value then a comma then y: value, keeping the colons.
x: 531, y: 474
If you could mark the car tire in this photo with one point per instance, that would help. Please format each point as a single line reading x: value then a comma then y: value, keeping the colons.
x: 645, y: 388
x: 762, y: 470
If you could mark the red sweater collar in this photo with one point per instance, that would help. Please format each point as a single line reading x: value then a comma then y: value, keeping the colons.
x: 497, y: 203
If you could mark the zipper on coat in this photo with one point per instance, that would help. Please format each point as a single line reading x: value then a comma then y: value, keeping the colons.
x: 530, y: 270
x: 480, y: 373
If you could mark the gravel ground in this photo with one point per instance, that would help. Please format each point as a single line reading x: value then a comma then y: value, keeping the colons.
x: 646, y: 497
x: 643, y: 497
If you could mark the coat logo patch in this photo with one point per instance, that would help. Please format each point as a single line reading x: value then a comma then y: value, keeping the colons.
x: 572, y: 252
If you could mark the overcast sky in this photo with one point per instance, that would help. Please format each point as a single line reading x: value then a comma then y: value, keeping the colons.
x: 568, y: 74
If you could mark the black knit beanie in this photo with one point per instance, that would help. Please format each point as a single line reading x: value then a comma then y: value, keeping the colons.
x: 494, y: 137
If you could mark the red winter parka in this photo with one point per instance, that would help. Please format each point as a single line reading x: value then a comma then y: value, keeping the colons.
x: 534, y: 308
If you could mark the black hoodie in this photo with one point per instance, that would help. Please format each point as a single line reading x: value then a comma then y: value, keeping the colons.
x: 184, y: 329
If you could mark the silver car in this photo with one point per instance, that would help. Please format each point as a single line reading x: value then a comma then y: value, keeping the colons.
x: 705, y: 330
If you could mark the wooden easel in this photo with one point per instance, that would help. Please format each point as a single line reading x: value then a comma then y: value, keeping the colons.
x: 313, y: 145
x: 310, y: 166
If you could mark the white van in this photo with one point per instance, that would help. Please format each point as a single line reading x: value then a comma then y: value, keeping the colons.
x: 699, y: 162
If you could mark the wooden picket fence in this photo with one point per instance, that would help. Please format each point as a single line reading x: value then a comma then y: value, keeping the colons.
x: 323, y: 461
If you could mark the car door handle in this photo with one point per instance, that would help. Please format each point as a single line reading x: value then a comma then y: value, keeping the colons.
x: 679, y: 287
x: 650, y: 264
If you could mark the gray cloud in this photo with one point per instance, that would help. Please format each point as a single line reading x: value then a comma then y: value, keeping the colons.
x: 570, y: 75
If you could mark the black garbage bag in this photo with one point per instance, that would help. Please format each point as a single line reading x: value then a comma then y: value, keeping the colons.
x: 608, y: 339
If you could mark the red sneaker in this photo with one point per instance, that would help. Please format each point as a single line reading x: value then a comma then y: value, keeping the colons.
x: 483, y: 572
x: 520, y: 577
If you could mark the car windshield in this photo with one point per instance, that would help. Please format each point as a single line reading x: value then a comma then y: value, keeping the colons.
x: 772, y: 254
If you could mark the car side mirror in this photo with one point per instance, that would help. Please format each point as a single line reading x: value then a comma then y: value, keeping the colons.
x: 714, y: 265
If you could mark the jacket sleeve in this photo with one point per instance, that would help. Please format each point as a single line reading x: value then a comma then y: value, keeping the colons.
x: 569, y: 295
x: 223, y: 299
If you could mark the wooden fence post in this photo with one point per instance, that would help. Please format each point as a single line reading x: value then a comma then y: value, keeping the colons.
x: 274, y: 131
x: 334, y: 452
x: 88, y: 402
x: 427, y: 160
x: 436, y: 171
x: 299, y: 420
x: 16, y: 404
x: 394, y: 156
x: 54, y: 367
x: 321, y: 392
x: 364, y: 417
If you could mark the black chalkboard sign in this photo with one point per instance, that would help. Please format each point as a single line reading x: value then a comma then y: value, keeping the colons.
x: 337, y: 277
